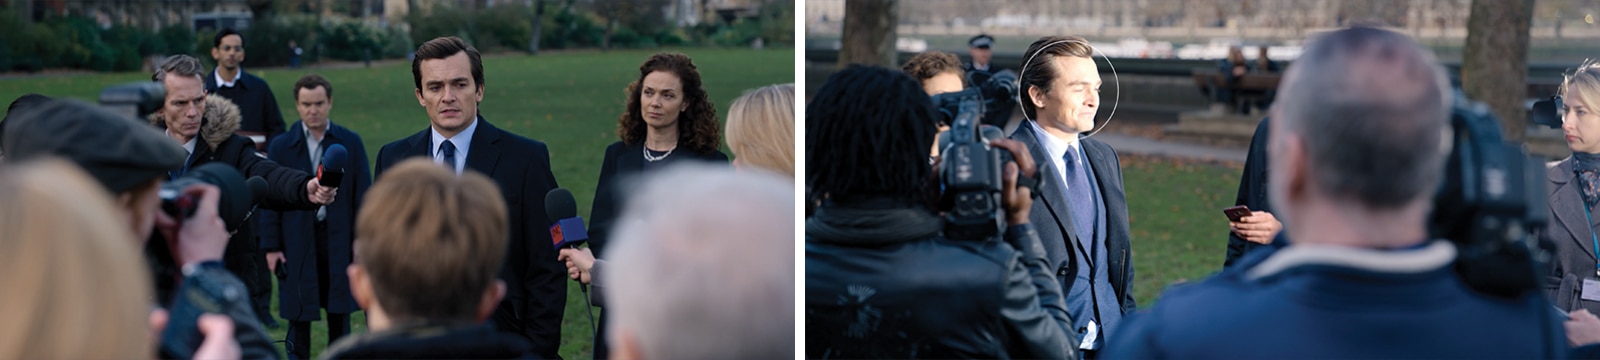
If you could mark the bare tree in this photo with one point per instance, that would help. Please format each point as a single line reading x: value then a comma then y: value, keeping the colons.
x: 538, y: 21
x: 1494, y: 65
x: 869, y: 33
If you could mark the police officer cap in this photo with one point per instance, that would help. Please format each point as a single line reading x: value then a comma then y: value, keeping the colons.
x: 982, y: 41
x: 119, y: 151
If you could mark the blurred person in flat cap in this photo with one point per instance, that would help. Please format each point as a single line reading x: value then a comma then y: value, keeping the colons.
x: 130, y: 161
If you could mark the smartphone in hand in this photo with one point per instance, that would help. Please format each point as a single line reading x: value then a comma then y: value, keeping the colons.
x: 1236, y: 213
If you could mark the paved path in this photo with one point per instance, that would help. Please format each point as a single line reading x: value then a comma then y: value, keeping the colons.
x: 1127, y: 144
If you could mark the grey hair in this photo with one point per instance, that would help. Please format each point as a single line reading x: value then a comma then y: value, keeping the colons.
x: 711, y: 280
x: 182, y: 65
x: 1372, y: 107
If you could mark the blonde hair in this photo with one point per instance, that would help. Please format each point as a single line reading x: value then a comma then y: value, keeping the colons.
x: 431, y: 241
x: 761, y: 128
x: 1583, y: 84
x: 75, y: 285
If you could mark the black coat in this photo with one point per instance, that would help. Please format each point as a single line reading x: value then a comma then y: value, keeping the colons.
x: 1050, y: 215
x: 257, y: 106
x: 292, y: 231
x: 431, y: 341
x: 286, y: 190
x: 1253, y: 193
x: 536, y: 284
x: 881, y: 282
x: 621, y: 164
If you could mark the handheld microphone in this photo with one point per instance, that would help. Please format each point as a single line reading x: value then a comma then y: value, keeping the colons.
x: 566, y: 229
x: 331, y: 171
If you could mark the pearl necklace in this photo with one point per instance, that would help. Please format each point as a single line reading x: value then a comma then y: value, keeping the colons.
x: 656, y: 158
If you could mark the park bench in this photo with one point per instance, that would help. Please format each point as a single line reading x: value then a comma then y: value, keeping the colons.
x: 1247, y: 89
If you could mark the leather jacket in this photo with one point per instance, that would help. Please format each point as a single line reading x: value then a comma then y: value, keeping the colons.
x: 881, y: 282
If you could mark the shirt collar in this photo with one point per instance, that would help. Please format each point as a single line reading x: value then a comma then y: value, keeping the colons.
x: 230, y: 83
x: 463, y: 140
x: 1055, y: 147
x: 325, y: 131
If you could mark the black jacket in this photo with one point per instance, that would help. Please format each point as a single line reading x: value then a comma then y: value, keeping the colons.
x: 1252, y: 192
x: 286, y: 190
x: 882, y: 283
x: 621, y: 164
x: 431, y: 341
x: 258, y: 108
x: 536, y: 284
x: 292, y: 232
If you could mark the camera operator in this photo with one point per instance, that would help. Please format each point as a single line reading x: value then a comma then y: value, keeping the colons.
x: 874, y: 248
x: 130, y: 160
x: 205, y: 124
x: 1356, y: 144
x: 939, y: 72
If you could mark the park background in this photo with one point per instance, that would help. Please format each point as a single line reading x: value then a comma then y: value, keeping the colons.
x: 566, y: 90
x: 1181, y: 154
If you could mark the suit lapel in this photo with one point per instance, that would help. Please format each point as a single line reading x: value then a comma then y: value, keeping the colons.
x: 483, y: 155
x: 1050, y: 187
x: 1566, y: 208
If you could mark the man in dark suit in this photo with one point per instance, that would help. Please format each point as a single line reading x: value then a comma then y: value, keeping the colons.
x: 448, y: 75
x: 258, y: 109
x: 260, y: 121
x: 311, y: 248
x: 1083, y: 220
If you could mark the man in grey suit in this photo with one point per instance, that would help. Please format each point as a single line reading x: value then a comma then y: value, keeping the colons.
x: 1082, y: 215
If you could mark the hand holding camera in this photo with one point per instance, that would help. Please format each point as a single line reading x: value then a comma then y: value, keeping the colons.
x: 201, y: 235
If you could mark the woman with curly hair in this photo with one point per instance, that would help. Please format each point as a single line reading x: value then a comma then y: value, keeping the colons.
x: 669, y: 119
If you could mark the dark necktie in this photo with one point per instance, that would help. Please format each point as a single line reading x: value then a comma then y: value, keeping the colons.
x: 1079, y: 196
x: 448, y: 150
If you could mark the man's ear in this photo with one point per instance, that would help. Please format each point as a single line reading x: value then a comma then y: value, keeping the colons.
x: 1034, y: 94
x: 420, y: 101
x: 491, y: 299
x: 360, y: 285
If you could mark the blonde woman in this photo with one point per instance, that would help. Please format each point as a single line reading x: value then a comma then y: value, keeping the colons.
x: 1574, y: 196
x: 75, y: 288
x: 761, y: 129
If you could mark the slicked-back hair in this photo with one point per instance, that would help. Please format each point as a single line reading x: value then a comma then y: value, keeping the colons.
x: 868, y: 131
x: 1039, y: 69
x: 1371, y: 107
x: 928, y: 64
x: 179, y: 65
x: 444, y: 47
x: 312, y: 81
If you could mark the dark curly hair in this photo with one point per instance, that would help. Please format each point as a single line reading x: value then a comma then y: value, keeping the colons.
x: 697, y: 126
x: 868, y: 131
x: 926, y: 65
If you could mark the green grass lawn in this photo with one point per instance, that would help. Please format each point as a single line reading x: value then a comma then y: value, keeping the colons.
x: 568, y: 100
x: 1175, y: 217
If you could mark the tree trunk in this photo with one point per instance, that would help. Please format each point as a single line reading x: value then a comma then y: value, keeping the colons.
x: 1494, y: 65
x: 611, y: 24
x: 868, y: 38
x: 538, y: 20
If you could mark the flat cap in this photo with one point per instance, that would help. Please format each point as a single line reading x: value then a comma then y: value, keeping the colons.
x: 119, y: 151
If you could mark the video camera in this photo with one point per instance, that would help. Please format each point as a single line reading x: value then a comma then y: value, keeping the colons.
x: 996, y: 92
x: 1490, y: 205
x: 136, y: 99
x: 971, y: 173
x: 237, y: 198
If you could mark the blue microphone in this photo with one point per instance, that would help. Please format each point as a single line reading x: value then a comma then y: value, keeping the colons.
x: 332, y: 169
